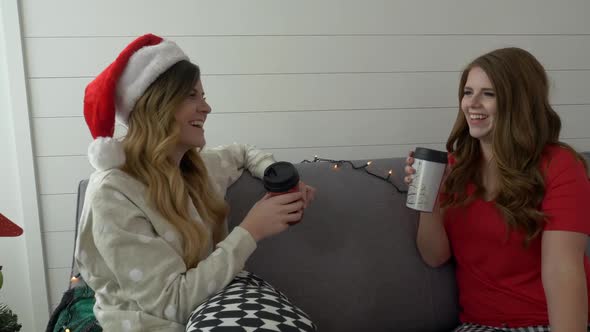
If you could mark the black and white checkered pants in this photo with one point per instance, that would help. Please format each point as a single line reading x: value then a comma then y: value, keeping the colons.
x: 469, y: 327
x: 249, y: 304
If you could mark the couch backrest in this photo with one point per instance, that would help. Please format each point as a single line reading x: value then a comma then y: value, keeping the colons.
x: 84, y: 183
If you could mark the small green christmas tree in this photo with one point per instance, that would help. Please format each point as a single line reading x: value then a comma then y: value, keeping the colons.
x: 8, y: 320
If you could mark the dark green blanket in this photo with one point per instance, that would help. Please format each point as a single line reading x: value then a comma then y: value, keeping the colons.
x: 75, y: 313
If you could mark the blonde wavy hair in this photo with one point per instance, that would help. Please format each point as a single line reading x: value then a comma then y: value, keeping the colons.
x: 152, y: 134
x: 526, y: 123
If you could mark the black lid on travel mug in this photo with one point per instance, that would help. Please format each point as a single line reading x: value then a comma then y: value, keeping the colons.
x: 431, y: 155
x: 280, y: 177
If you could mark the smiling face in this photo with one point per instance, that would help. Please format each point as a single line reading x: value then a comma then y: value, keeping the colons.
x: 190, y: 118
x: 479, y: 105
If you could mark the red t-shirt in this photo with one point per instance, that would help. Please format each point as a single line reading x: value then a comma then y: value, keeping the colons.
x: 499, y: 280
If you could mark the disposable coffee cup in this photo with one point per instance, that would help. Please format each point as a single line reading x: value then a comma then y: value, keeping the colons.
x: 281, y: 178
x: 423, y: 190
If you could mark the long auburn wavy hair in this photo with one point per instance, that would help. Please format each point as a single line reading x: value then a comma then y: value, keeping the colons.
x: 525, y: 124
x: 152, y: 134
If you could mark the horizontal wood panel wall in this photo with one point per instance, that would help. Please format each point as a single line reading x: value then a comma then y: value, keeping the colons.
x: 339, y: 79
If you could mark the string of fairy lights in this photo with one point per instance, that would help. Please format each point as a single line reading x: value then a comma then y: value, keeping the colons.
x: 336, y: 164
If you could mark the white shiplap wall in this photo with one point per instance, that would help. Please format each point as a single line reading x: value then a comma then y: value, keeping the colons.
x: 341, y: 79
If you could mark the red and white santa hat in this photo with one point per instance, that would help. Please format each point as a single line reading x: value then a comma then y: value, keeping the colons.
x: 114, y: 92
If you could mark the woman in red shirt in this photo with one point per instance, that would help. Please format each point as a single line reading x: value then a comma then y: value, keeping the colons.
x: 513, y: 210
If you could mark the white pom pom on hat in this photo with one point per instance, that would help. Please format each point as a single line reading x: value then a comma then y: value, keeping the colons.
x: 105, y: 153
x: 113, y: 93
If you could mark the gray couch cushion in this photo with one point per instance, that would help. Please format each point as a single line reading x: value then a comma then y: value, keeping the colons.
x: 352, y: 263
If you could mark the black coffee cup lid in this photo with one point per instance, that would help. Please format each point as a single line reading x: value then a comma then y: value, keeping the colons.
x: 431, y: 155
x: 280, y: 176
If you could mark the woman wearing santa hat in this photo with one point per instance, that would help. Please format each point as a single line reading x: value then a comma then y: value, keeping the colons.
x: 153, y: 241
